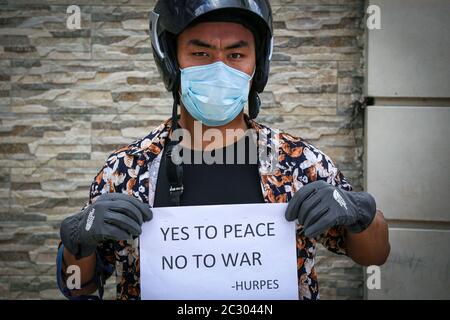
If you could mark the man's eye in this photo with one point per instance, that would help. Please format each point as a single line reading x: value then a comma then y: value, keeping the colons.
x: 200, y: 54
x: 236, y: 55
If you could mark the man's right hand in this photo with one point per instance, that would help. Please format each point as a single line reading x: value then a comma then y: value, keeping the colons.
x: 114, y: 216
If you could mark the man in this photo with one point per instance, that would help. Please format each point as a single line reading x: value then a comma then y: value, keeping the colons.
x: 214, y: 57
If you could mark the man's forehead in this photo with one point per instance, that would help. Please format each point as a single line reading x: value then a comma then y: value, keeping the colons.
x: 223, y: 30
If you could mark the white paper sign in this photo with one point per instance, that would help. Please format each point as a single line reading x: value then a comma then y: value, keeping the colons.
x: 219, y: 252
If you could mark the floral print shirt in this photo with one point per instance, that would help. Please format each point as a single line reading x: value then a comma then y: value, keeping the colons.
x: 134, y: 169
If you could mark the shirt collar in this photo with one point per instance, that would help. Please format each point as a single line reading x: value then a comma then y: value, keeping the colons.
x: 149, y: 148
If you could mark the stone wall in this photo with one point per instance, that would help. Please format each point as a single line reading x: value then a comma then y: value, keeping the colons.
x: 69, y: 97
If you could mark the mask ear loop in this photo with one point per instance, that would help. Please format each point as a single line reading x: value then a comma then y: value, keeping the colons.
x: 253, y: 74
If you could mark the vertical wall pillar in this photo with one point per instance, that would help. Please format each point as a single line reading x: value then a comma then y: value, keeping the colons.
x: 407, y: 144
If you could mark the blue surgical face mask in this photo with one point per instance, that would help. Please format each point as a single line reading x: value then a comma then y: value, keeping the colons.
x: 214, y: 94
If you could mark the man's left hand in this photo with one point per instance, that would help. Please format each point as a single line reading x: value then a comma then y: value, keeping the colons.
x: 319, y: 206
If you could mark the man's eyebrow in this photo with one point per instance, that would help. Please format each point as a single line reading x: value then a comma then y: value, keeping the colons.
x: 239, y: 44
x: 200, y: 43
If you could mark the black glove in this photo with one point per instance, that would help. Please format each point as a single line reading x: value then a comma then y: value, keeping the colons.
x: 319, y: 206
x: 114, y: 216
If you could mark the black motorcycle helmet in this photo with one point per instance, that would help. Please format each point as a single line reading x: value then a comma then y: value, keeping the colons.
x: 170, y: 17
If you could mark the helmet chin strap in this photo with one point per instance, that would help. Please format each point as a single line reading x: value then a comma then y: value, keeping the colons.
x: 174, y: 171
x: 176, y: 101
